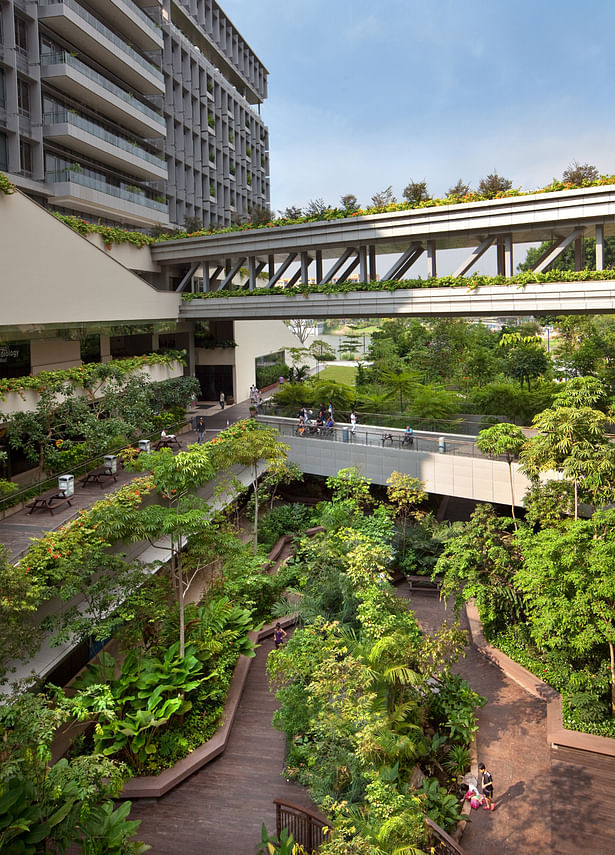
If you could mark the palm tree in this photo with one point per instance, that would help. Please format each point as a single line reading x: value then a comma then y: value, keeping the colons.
x: 399, y: 383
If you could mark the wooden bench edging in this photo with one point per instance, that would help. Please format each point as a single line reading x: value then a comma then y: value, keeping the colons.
x: 155, y: 786
x: 557, y: 734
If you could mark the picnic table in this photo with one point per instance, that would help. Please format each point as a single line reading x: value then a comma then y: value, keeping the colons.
x: 98, y: 476
x: 167, y: 442
x: 49, y: 502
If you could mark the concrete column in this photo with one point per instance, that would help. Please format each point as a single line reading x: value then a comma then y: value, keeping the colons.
x: 363, y: 264
x: 500, y: 258
x: 206, y: 282
x: 508, y: 256
x: 578, y: 253
x: 373, y: 275
x: 105, y: 348
x: 431, y: 259
x: 191, y: 353
x: 319, y: 265
x: 251, y: 272
x: 305, y: 266
x: 599, y: 246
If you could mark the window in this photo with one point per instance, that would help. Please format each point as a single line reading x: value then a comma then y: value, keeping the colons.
x: 4, y: 153
x: 23, y: 97
x: 25, y: 156
x: 21, y: 35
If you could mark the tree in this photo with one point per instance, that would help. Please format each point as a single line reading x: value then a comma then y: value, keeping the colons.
x: 316, y: 208
x: 193, y: 224
x: 526, y: 357
x: 580, y: 174
x: 416, y: 191
x: 459, y: 189
x: 569, y: 585
x: 261, y: 214
x: 321, y: 351
x: 504, y: 440
x: 301, y: 327
x: 177, y: 477
x: 482, y: 563
x: 492, y: 185
x: 572, y: 440
x: 249, y: 444
x: 384, y: 197
x: 405, y: 494
x: 399, y: 383
x: 350, y: 202
x: 293, y: 212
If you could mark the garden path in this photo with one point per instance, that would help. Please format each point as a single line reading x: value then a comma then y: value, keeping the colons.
x: 221, y: 808
x: 512, y: 742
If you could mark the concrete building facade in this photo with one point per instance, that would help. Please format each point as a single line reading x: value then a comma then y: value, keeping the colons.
x: 139, y: 112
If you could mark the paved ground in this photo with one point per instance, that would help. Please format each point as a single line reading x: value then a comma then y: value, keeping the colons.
x: 512, y: 743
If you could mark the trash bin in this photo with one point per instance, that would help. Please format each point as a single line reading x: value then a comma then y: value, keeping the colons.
x: 110, y: 463
x: 345, y: 435
x: 66, y: 485
x: 442, y: 445
x: 145, y: 446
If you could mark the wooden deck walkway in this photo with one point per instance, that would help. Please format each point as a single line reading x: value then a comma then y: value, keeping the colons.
x: 221, y: 808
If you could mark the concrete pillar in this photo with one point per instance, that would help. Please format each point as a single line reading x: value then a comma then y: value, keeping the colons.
x: 500, y: 258
x: 251, y: 272
x: 271, y: 264
x: 508, y: 256
x: 599, y: 246
x: 206, y: 282
x: 191, y: 352
x: 305, y: 266
x: 105, y: 348
x: 319, y: 265
x: 363, y: 275
x: 155, y: 342
x: 431, y: 259
x: 373, y: 275
x: 578, y: 253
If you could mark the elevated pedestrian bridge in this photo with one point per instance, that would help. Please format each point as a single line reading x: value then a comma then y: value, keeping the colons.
x: 447, y: 464
x: 356, y: 243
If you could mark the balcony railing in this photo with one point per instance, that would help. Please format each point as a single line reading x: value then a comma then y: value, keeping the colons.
x: 61, y: 115
x: 107, y: 33
x: 308, y: 828
x: 56, y: 57
x: 72, y: 176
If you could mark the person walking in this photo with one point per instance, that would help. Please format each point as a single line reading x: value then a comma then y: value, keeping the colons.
x: 353, y: 422
x: 200, y: 430
x: 486, y: 784
x: 222, y: 400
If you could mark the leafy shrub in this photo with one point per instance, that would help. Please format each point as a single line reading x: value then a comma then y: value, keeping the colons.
x: 266, y: 375
x: 283, y: 519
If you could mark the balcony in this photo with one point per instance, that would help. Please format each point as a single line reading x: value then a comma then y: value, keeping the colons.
x: 125, y: 17
x: 72, y: 22
x: 86, y: 137
x: 75, y: 78
x: 95, y: 195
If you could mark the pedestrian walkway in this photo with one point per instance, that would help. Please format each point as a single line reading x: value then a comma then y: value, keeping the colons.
x: 512, y: 742
x: 221, y: 808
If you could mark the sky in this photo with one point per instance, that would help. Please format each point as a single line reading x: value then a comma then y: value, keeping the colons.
x: 364, y: 94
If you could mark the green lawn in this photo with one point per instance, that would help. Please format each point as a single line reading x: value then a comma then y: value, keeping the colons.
x: 339, y: 373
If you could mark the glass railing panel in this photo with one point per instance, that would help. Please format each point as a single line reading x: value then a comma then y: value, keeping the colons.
x: 61, y: 115
x: 72, y: 176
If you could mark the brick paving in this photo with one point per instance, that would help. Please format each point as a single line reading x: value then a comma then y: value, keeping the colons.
x: 512, y: 742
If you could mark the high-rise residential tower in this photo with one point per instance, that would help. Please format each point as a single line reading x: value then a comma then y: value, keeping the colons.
x: 137, y: 112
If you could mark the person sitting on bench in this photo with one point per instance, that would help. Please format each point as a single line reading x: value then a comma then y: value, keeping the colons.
x: 408, y: 436
x: 165, y: 435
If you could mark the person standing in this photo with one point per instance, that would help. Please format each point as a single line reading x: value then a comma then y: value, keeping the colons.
x: 279, y: 635
x: 200, y: 430
x: 222, y: 400
x: 486, y: 783
x: 353, y: 422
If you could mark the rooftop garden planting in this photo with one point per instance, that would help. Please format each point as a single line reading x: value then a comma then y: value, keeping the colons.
x: 471, y: 283
x: 116, y: 235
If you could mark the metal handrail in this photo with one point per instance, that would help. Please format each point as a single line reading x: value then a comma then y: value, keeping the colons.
x: 308, y: 828
x: 445, y: 843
